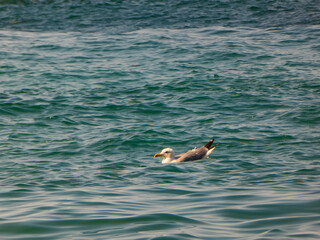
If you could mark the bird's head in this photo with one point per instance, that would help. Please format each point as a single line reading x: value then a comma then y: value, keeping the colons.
x: 166, y: 153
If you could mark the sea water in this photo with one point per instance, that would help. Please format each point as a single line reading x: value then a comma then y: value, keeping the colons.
x: 91, y: 90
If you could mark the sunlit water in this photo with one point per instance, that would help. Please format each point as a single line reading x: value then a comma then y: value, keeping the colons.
x: 85, y: 105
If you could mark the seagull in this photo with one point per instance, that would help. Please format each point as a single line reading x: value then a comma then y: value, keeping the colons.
x: 191, y: 155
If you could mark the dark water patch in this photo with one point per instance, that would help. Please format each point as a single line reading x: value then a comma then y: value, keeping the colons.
x: 175, y: 237
x: 17, y: 193
x: 132, y: 15
x: 272, y: 210
x: 166, y: 191
x: 279, y: 221
x: 304, y: 236
x: 22, y: 107
x: 77, y: 224
x: 26, y: 229
x: 307, y: 172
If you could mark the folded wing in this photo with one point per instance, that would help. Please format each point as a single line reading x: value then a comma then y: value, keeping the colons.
x: 192, y: 155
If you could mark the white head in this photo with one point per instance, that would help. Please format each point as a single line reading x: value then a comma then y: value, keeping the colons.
x: 167, y: 154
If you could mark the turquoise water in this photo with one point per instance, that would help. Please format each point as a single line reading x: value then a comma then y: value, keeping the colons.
x: 91, y: 90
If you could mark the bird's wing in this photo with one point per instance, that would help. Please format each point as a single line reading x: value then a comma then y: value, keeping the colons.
x: 192, y: 155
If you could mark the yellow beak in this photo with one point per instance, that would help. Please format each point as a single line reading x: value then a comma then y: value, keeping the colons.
x: 158, y: 155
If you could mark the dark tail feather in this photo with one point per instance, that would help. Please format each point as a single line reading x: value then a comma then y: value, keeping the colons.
x: 208, y: 145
